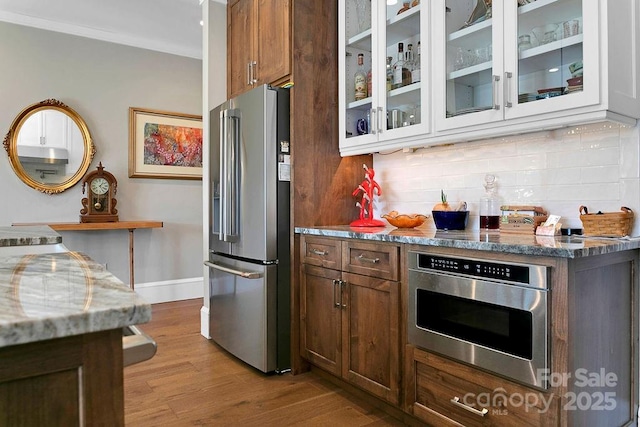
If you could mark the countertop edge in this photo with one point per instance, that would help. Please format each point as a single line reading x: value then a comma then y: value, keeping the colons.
x: 492, y: 241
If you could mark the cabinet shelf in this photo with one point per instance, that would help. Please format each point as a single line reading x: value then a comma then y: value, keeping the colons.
x: 403, y: 26
x: 400, y: 96
x: 471, y: 30
x: 361, y: 104
x: 470, y: 70
x: 361, y: 40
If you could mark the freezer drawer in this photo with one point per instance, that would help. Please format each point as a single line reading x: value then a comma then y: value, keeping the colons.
x: 243, y: 310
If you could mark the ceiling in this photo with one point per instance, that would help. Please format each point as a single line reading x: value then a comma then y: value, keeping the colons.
x: 171, y: 26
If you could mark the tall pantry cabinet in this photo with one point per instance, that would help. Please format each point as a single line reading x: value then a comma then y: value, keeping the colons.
x: 321, y: 180
x: 259, y: 49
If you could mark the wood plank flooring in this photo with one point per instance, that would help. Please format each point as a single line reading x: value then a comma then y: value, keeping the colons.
x: 193, y: 382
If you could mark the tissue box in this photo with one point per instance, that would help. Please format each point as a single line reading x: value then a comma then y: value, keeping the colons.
x: 521, y: 219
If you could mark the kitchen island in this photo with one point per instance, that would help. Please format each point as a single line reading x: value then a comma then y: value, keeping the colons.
x: 61, y: 330
x: 401, y: 314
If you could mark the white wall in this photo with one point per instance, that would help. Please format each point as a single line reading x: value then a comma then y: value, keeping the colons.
x: 101, y: 80
x: 597, y: 166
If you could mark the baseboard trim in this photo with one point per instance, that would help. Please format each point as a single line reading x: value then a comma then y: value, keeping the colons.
x: 171, y: 290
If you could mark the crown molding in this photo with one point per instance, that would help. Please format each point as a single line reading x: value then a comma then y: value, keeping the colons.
x: 108, y: 36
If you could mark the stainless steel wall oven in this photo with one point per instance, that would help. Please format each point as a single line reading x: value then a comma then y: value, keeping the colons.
x: 493, y: 315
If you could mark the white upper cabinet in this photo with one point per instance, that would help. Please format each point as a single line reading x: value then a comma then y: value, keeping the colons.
x: 494, y: 68
x: 511, y: 61
x: 390, y: 110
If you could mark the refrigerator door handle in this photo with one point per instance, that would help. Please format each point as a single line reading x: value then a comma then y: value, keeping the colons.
x: 223, y: 184
x: 233, y: 162
x: 229, y: 175
x: 243, y: 274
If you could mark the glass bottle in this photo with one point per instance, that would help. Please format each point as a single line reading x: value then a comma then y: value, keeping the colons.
x: 389, y: 73
x: 360, y: 79
x: 408, y: 65
x: 399, y: 68
x: 415, y: 69
x: 490, y: 205
x: 369, y: 83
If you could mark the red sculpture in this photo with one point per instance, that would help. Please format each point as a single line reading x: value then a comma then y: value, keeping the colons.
x: 367, y: 187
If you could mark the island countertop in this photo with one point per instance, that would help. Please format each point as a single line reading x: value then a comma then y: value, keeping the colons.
x: 494, y: 241
x: 46, y: 295
x: 28, y: 236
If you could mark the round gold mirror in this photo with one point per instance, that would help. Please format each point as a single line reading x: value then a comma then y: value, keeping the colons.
x: 49, y: 146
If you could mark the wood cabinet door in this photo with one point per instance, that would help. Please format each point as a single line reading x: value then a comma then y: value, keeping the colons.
x: 273, y: 40
x: 240, y: 45
x: 370, y: 327
x: 320, y: 317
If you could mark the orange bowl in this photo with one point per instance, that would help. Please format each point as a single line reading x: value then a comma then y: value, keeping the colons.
x: 405, y: 220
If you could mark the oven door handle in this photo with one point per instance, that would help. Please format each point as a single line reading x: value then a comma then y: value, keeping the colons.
x: 456, y: 401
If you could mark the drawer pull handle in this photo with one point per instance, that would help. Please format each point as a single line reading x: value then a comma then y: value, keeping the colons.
x: 482, y: 413
x: 371, y: 260
x: 319, y: 252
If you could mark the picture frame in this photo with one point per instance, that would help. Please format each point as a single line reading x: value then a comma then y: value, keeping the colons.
x: 164, y: 144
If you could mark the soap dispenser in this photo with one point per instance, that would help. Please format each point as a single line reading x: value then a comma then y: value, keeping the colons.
x: 490, y: 205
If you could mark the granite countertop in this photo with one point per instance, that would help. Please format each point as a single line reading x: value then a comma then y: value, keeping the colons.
x: 493, y: 241
x: 59, y: 294
x: 28, y: 236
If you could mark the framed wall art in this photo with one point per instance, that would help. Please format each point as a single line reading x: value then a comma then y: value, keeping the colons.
x: 164, y: 144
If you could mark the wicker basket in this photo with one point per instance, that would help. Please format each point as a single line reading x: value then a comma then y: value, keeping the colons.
x: 609, y: 224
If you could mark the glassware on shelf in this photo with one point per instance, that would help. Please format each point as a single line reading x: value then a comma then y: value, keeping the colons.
x: 524, y: 42
x: 571, y: 28
x: 363, y: 10
x: 545, y: 34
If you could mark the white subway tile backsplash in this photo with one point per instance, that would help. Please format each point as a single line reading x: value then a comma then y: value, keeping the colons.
x: 596, y: 174
x: 596, y: 165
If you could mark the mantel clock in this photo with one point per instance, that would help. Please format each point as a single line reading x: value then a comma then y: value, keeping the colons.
x: 100, y: 203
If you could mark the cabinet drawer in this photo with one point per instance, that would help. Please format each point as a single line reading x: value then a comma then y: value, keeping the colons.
x: 321, y: 251
x: 371, y: 259
x: 439, y: 381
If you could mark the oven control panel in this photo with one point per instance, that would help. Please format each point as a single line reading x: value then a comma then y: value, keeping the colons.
x: 478, y: 268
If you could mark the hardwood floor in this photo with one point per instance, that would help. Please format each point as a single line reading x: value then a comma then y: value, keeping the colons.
x: 191, y: 381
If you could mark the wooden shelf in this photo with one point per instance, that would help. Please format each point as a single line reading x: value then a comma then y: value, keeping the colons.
x: 84, y: 226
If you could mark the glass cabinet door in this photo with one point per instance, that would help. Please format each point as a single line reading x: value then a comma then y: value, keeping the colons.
x: 469, y: 70
x: 506, y: 59
x: 403, y: 52
x: 359, y: 75
x: 470, y: 84
x: 547, y: 47
x: 392, y: 104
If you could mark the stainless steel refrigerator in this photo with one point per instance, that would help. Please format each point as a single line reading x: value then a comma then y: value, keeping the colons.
x: 249, y: 262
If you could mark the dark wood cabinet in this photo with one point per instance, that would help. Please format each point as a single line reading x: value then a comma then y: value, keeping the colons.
x: 71, y: 381
x: 350, y: 322
x: 258, y: 43
x: 445, y: 393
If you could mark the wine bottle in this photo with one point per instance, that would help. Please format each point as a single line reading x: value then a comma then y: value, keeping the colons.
x: 360, y: 79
